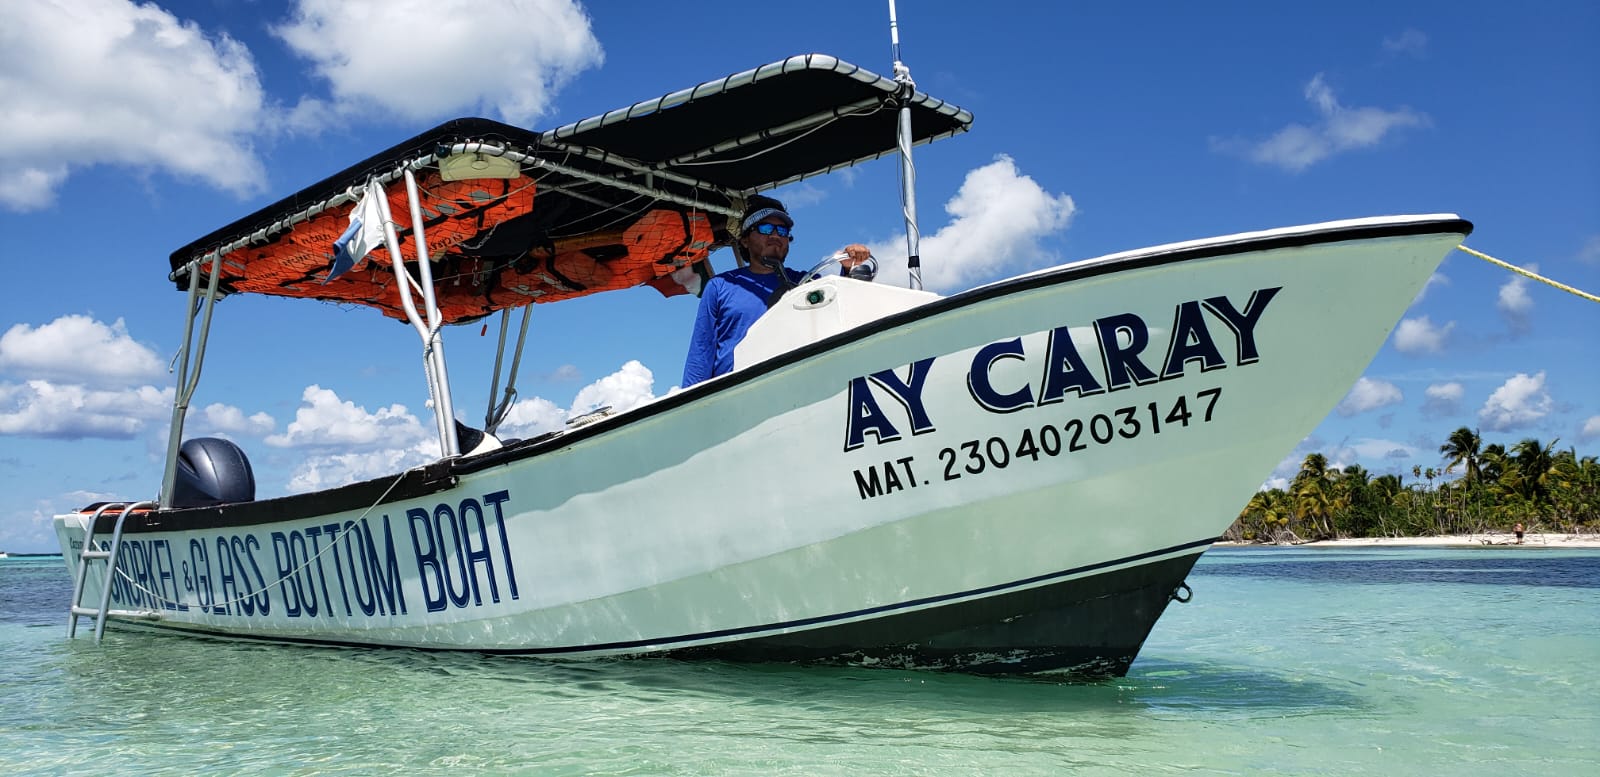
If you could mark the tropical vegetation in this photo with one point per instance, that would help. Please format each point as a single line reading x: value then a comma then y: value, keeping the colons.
x: 1478, y: 488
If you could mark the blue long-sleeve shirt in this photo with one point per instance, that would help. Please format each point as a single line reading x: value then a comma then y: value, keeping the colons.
x: 730, y: 303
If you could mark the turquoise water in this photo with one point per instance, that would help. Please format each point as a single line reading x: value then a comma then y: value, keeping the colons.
x: 1287, y: 661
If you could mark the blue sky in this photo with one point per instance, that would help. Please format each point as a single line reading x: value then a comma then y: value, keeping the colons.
x: 1100, y: 127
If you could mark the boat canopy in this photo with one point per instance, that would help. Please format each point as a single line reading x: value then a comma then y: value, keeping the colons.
x: 637, y: 196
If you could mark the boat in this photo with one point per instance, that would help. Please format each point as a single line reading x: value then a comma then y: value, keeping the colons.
x: 1013, y: 479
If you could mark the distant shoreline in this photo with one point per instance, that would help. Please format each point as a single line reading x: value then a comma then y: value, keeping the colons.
x: 1487, y: 539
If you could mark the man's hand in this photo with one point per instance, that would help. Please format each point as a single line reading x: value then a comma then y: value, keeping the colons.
x: 856, y: 253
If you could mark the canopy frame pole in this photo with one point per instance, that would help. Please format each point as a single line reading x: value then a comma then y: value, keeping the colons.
x: 908, y: 172
x: 529, y: 159
x: 494, y: 379
x: 433, y: 363
x: 497, y: 412
x: 801, y: 124
x: 188, y: 380
x: 606, y: 157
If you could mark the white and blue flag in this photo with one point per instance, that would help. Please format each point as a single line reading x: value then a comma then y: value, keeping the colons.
x: 364, y: 234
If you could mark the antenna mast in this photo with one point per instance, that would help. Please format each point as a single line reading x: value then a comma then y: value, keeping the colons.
x: 908, y: 173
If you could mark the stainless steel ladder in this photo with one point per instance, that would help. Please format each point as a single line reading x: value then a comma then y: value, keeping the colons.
x: 88, y: 554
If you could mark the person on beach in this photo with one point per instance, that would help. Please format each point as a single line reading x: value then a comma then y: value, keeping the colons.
x: 733, y: 300
x: 1518, y: 531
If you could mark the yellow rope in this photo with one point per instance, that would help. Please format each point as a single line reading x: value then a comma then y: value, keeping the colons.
x: 1535, y: 276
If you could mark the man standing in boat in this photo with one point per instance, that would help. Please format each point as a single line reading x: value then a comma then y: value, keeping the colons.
x: 733, y: 300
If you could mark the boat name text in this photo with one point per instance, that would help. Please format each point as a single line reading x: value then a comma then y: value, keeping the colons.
x: 335, y: 570
x: 1121, y: 341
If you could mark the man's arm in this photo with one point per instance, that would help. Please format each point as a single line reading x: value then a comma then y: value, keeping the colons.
x: 702, y: 358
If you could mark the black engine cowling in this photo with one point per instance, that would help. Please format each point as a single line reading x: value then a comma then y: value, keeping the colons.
x: 212, y: 471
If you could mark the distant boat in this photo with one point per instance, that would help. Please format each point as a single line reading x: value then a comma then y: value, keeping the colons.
x: 1013, y: 479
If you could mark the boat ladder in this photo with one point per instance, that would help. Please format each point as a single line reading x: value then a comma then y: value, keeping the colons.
x: 90, y: 553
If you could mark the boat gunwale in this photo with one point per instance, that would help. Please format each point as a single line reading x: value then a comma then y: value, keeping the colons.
x: 444, y: 474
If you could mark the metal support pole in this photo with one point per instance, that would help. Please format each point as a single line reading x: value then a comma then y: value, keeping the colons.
x: 497, y: 412
x: 908, y: 199
x: 908, y: 173
x: 499, y: 355
x: 444, y: 406
x: 187, y: 381
x: 433, y: 354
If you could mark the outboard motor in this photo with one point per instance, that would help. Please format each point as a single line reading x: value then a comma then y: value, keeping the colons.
x: 212, y: 471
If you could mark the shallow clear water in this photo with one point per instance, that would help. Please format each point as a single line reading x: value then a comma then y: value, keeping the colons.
x: 1288, y: 661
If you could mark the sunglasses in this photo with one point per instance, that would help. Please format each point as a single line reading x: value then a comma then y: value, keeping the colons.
x: 774, y: 229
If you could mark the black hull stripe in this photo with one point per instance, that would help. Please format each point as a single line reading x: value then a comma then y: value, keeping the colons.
x: 666, y: 642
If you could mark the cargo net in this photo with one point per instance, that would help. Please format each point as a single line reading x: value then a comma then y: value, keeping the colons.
x: 490, y: 248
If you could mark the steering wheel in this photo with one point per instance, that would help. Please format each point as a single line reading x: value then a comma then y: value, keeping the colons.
x: 863, y: 271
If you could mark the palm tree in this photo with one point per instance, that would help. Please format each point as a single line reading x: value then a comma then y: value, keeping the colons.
x: 1313, y: 498
x: 1493, y: 462
x: 1532, y: 462
x: 1566, y: 486
x: 1352, y: 502
x: 1267, y: 511
x: 1462, y: 449
x: 1358, y: 474
x: 1390, y: 493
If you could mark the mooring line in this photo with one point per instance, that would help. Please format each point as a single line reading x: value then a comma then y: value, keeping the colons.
x: 1540, y: 278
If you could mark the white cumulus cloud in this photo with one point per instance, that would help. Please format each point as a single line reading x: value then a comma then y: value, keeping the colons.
x: 344, y: 443
x: 329, y: 470
x: 31, y: 531
x: 1369, y: 394
x: 1519, y: 402
x: 78, y: 349
x: 531, y: 418
x: 217, y: 418
x: 112, y: 82
x: 39, y: 408
x: 627, y: 388
x: 407, y: 58
x: 324, y: 420
x: 630, y: 386
x: 1339, y: 129
x: 390, y: 440
x: 1442, y: 399
x: 997, y: 218
x: 1421, y: 335
x: 1591, y: 428
x: 1514, y: 302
